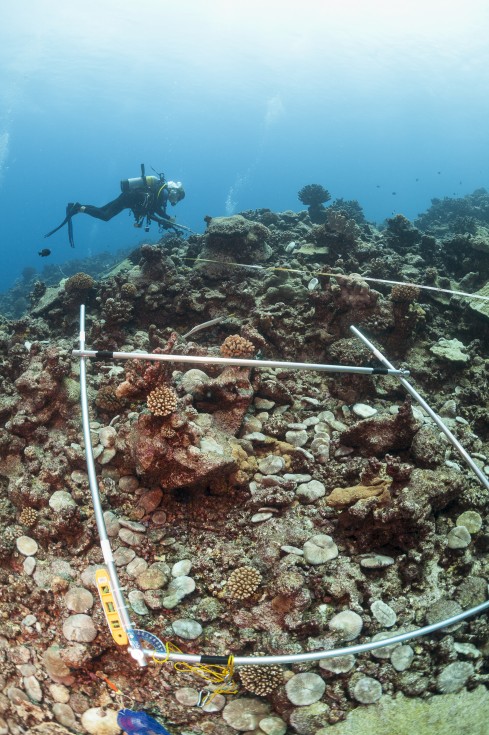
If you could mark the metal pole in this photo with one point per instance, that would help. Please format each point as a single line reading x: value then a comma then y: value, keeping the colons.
x: 97, y: 506
x: 244, y: 362
x: 451, y: 437
x: 335, y: 652
x: 136, y: 649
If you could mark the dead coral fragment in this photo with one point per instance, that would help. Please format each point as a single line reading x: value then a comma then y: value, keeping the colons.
x: 236, y: 346
x: 261, y: 680
x: 243, y: 582
x: 79, y: 282
x: 162, y: 401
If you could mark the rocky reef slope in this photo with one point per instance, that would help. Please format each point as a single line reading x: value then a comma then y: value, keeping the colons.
x: 264, y: 510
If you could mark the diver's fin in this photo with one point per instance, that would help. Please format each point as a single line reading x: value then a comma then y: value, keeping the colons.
x: 71, y: 209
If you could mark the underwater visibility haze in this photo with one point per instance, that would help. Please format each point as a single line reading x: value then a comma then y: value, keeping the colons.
x: 244, y: 102
x: 259, y: 428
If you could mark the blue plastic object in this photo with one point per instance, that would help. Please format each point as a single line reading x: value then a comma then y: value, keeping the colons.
x: 139, y: 723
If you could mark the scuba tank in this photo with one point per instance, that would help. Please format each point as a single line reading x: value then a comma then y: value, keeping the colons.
x: 141, y: 182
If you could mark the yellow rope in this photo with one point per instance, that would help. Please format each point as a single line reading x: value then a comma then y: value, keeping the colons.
x: 219, y: 679
x: 342, y: 275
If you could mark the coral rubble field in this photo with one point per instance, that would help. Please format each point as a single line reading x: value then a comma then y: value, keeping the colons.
x: 254, y: 511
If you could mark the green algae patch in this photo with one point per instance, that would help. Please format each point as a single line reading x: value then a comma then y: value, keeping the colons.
x: 464, y: 713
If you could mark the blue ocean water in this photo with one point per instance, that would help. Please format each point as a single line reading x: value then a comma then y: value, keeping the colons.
x: 244, y: 101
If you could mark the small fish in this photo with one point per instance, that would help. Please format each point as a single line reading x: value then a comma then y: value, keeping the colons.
x: 139, y: 723
x: 394, y: 193
x: 206, y: 325
x: 44, y: 252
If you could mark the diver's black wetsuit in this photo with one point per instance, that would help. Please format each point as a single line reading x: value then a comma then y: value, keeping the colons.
x: 111, y: 209
x: 149, y: 202
x: 142, y: 203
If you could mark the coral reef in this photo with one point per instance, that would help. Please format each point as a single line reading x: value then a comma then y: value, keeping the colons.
x: 229, y: 239
x: 315, y: 195
x: 251, y: 510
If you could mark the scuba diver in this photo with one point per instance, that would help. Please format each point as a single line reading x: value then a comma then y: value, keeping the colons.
x: 145, y: 196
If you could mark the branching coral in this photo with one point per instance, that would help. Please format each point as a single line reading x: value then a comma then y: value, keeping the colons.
x: 116, y: 311
x: 142, y: 377
x: 401, y: 235
x: 128, y: 291
x: 162, y: 401
x: 407, y: 316
x: 79, y: 282
x: 243, y: 582
x: 314, y: 196
x: 351, y: 208
x: 405, y: 293
x: 339, y: 222
x: 236, y: 346
x: 338, y: 233
x: 261, y: 680
x: 346, y: 293
x: 28, y: 517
